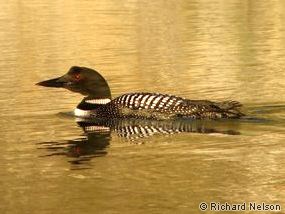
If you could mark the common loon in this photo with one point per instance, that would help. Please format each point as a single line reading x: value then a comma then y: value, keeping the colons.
x: 98, y: 103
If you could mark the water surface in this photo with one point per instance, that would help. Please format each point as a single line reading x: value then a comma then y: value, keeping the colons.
x: 197, y: 49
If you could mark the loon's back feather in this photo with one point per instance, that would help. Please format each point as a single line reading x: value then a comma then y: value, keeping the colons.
x: 164, y: 106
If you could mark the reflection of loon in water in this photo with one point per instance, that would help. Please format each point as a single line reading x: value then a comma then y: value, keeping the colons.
x: 98, y: 134
x: 80, y: 149
x: 132, y: 129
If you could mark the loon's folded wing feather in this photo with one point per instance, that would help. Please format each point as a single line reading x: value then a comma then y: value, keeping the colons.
x: 168, y: 106
x: 210, y: 109
x: 230, y: 104
x: 151, y: 101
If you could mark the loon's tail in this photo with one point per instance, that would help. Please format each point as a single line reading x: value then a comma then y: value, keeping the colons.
x: 231, y: 108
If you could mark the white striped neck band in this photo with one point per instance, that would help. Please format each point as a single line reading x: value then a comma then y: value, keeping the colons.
x: 98, y: 101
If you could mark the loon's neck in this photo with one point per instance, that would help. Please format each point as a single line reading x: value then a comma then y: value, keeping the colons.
x: 89, y: 105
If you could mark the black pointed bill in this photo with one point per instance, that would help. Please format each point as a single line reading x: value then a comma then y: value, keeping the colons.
x: 55, y: 83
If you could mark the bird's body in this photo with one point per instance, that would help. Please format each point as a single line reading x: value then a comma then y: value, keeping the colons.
x: 98, y: 103
x: 156, y: 106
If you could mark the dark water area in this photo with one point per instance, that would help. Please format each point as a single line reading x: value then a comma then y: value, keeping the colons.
x: 51, y: 162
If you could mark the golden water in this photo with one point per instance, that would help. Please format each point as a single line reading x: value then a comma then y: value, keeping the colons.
x: 199, y: 49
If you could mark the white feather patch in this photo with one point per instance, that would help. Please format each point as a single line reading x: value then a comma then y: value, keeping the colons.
x: 165, y: 99
x: 127, y: 98
x: 153, y: 105
x: 178, y: 102
x: 82, y: 113
x: 150, y: 99
x: 143, y: 100
x: 98, y: 101
x: 132, y: 99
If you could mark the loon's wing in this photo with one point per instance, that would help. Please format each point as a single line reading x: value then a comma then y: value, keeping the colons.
x: 164, y: 106
x: 210, y: 109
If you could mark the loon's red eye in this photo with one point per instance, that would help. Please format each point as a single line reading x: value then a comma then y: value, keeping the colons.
x: 77, y: 77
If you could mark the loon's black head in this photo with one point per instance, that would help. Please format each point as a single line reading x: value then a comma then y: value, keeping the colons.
x: 85, y: 81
